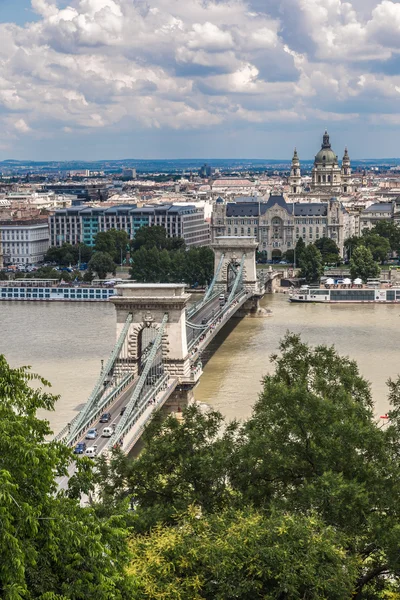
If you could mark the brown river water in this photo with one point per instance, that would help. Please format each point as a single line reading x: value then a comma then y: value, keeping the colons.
x: 65, y: 342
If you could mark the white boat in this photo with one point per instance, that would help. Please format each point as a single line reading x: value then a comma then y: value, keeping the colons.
x: 347, y: 295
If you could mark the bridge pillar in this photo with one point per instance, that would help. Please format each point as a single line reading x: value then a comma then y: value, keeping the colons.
x: 148, y: 303
x: 232, y: 249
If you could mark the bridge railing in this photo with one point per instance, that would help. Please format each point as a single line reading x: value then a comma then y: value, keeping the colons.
x: 98, y: 411
x: 151, y: 400
x: 99, y: 387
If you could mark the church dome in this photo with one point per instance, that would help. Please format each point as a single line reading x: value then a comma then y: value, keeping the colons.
x: 326, y: 155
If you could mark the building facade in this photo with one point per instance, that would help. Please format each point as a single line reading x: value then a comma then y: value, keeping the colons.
x: 277, y: 225
x: 328, y: 177
x: 80, y: 224
x: 24, y: 242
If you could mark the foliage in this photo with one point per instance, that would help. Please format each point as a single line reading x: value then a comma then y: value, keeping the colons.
x: 68, y: 254
x: 379, y: 246
x: 389, y: 231
x: 351, y: 243
x: 329, y: 250
x: 310, y: 263
x: 3, y: 276
x: 152, y: 265
x: 311, y: 447
x: 113, y: 242
x: 362, y: 264
x: 156, y: 237
x: 241, y: 554
x: 289, y: 256
x: 50, y: 546
x: 299, y: 250
x: 101, y: 263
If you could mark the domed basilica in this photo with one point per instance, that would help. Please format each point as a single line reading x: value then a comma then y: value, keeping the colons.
x: 328, y: 178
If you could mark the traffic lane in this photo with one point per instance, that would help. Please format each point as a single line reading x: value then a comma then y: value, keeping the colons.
x: 206, y: 311
x: 115, y: 411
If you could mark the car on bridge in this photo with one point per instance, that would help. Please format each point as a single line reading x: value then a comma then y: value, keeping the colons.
x: 105, y: 418
x: 80, y: 448
x: 91, y: 434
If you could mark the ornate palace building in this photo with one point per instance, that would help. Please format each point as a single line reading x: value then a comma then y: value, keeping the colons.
x: 277, y: 224
x: 328, y: 178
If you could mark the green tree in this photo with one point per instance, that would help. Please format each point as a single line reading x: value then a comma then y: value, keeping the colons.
x: 242, y: 554
x: 289, y: 256
x: 310, y: 263
x: 3, y: 276
x: 199, y: 267
x: 311, y: 447
x: 299, y: 250
x: 50, y: 546
x: 113, y: 242
x: 101, y: 263
x: 351, y: 243
x: 329, y: 250
x: 362, y: 264
x: 68, y: 254
x: 151, y: 237
x: 389, y: 231
x: 313, y: 443
x: 379, y: 246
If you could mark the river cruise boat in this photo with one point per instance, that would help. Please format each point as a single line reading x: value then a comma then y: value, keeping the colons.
x: 52, y: 290
x: 348, y: 295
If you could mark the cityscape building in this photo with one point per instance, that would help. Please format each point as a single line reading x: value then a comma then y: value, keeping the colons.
x: 24, y: 242
x: 80, y: 224
x: 277, y: 225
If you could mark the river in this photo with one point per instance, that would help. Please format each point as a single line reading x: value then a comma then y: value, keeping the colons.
x: 65, y: 342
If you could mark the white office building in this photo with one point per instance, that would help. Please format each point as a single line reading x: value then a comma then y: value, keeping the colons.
x: 24, y: 242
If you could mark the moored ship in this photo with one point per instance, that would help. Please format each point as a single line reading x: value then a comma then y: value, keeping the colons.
x: 53, y: 290
x: 348, y: 295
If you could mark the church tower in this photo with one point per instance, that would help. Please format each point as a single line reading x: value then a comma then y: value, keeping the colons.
x: 295, y: 175
x: 346, y: 173
x: 326, y: 173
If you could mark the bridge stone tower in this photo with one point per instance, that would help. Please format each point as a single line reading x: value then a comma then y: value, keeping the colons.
x: 148, y: 303
x: 232, y: 250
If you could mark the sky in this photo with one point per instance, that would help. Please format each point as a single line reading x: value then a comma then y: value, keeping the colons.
x: 114, y: 79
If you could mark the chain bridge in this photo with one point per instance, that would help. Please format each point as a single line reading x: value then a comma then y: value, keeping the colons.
x: 156, y: 360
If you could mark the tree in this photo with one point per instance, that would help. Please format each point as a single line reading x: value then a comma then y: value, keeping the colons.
x: 102, y: 264
x: 313, y: 443
x: 113, y: 242
x: 329, y: 250
x: 351, y: 244
x: 199, y: 267
x: 299, y: 250
x: 68, y: 254
x: 310, y: 263
x: 156, y: 237
x: 192, y: 468
x: 379, y: 246
x: 362, y: 264
x: 389, y: 231
x: 289, y: 256
x: 50, y: 546
x: 311, y: 447
x: 242, y: 554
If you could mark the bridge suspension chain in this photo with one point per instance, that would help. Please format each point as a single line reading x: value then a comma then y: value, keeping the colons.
x: 119, y: 431
x: 98, y: 389
x: 196, y: 307
x: 238, y: 279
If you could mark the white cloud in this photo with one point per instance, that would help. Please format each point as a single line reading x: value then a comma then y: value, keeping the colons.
x: 167, y: 64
